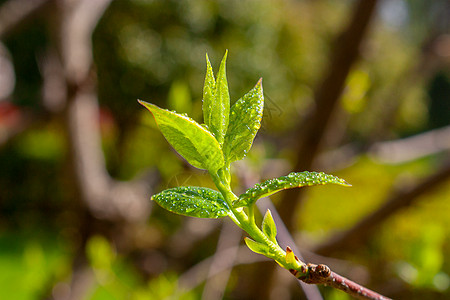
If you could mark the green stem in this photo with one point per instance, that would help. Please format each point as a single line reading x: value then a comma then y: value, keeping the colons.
x: 251, y: 213
x: 244, y: 221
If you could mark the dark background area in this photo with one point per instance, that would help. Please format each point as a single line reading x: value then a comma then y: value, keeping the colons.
x: 358, y: 89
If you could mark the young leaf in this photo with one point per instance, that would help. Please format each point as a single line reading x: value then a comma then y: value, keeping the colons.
x: 290, y: 181
x: 257, y: 247
x: 193, y: 201
x: 245, y: 120
x: 208, y: 92
x: 268, y: 227
x: 220, y: 106
x: 187, y: 137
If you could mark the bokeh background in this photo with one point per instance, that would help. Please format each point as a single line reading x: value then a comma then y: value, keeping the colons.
x: 359, y: 89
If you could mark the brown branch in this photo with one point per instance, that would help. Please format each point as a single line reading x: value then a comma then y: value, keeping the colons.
x: 321, y: 274
x: 327, y: 94
x: 398, y: 201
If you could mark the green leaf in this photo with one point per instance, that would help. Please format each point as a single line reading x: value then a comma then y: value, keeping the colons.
x: 257, y: 247
x: 188, y: 138
x: 220, y: 106
x: 268, y: 227
x: 290, y: 181
x: 193, y: 201
x: 245, y: 121
x: 208, y: 93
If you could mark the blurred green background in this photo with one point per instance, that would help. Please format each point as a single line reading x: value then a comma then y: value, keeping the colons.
x: 388, y: 133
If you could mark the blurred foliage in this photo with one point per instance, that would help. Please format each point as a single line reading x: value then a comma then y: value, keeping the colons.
x: 31, y: 262
x: 116, y: 280
x: 154, y: 50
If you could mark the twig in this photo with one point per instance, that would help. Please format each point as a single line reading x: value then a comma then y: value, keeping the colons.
x: 317, y: 274
x: 321, y: 274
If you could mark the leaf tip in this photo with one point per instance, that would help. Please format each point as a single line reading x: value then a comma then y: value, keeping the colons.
x: 345, y: 183
x: 145, y: 104
x: 208, y: 63
x: 224, y: 59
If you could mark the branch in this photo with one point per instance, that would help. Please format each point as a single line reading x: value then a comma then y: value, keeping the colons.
x: 321, y: 274
x: 316, y: 274
x: 397, y: 201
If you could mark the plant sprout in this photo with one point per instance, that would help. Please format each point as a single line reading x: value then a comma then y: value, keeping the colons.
x: 225, y: 137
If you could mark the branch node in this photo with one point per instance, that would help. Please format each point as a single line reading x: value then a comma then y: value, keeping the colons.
x: 317, y: 274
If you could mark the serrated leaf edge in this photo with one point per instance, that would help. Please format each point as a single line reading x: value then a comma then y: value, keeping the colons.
x: 182, y: 190
x: 204, y: 129
x: 263, y: 189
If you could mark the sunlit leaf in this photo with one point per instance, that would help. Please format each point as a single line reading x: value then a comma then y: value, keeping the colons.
x: 245, y: 121
x: 208, y: 92
x: 268, y: 226
x: 220, y: 106
x: 290, y: 181
x: 192, y: 201
x: 187, y: 137
x: 257, y: 247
